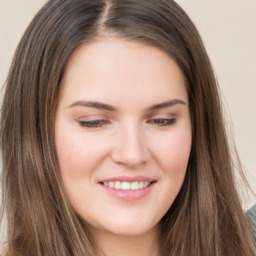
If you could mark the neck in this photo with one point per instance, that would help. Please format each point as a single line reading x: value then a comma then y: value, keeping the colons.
x: 116, y: 245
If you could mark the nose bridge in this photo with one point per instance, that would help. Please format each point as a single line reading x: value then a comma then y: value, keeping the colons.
x: 130, y: 146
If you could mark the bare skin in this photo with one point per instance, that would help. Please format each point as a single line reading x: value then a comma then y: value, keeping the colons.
x: 123, y: 139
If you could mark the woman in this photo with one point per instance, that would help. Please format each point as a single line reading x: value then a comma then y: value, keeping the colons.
x: 112, y: 137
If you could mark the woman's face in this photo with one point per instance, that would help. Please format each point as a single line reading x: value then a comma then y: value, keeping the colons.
x: 123, y: 135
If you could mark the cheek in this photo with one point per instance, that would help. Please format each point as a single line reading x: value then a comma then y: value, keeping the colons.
x: 173, y: 152
x: 172, y: 156
x: 78, y: 155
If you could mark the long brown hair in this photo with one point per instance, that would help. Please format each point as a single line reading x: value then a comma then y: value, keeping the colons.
x: 206, y: 217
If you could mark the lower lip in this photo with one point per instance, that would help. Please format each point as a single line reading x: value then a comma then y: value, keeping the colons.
x: 129, y: 195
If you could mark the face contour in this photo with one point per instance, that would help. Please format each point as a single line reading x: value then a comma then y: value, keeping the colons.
x: 123, y: 135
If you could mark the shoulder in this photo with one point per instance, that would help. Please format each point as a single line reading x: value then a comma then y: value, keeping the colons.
x: 251, y: 213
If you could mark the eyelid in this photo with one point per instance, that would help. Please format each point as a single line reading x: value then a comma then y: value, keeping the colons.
x: 91, y: 117
x: 163, y: 115
x: 95, y: 123
x: 162, y: 122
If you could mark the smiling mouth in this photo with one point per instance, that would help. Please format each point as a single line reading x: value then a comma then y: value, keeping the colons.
x: 128, y: 188
x: 125, y: 185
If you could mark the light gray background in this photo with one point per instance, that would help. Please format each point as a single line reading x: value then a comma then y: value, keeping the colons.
x: 228, y: 29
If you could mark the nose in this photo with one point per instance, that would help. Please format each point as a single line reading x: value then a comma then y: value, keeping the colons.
x: 130, y: 147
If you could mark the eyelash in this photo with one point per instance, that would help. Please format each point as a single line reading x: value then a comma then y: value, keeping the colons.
x: 163, y: 121
x: 93, y: 123
x: 100, y: 123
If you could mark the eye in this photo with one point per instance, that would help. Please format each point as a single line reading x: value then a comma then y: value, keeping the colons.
x: 93, y: 123
x: 163, y: 121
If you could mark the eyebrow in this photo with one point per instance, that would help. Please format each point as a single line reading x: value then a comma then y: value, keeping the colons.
x: 166, y: 104
x: 103, y: 106
x: 93, y: 104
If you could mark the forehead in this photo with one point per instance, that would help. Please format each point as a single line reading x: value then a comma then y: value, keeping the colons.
x: 113, y: 70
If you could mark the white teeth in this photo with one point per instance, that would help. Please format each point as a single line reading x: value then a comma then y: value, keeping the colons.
x: 141, y: 184
x: 111, y: 184
x: 125, y: 185
x: 134, y: 185
x: 118, y: 185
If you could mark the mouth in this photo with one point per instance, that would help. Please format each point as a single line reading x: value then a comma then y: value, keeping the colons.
x: 128, y: 188
x: 125, y: 185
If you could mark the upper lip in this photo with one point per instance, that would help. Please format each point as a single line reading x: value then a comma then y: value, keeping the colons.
x: 128, y: 179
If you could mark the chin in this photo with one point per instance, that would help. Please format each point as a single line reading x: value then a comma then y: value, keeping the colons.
x: 130, y: 228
